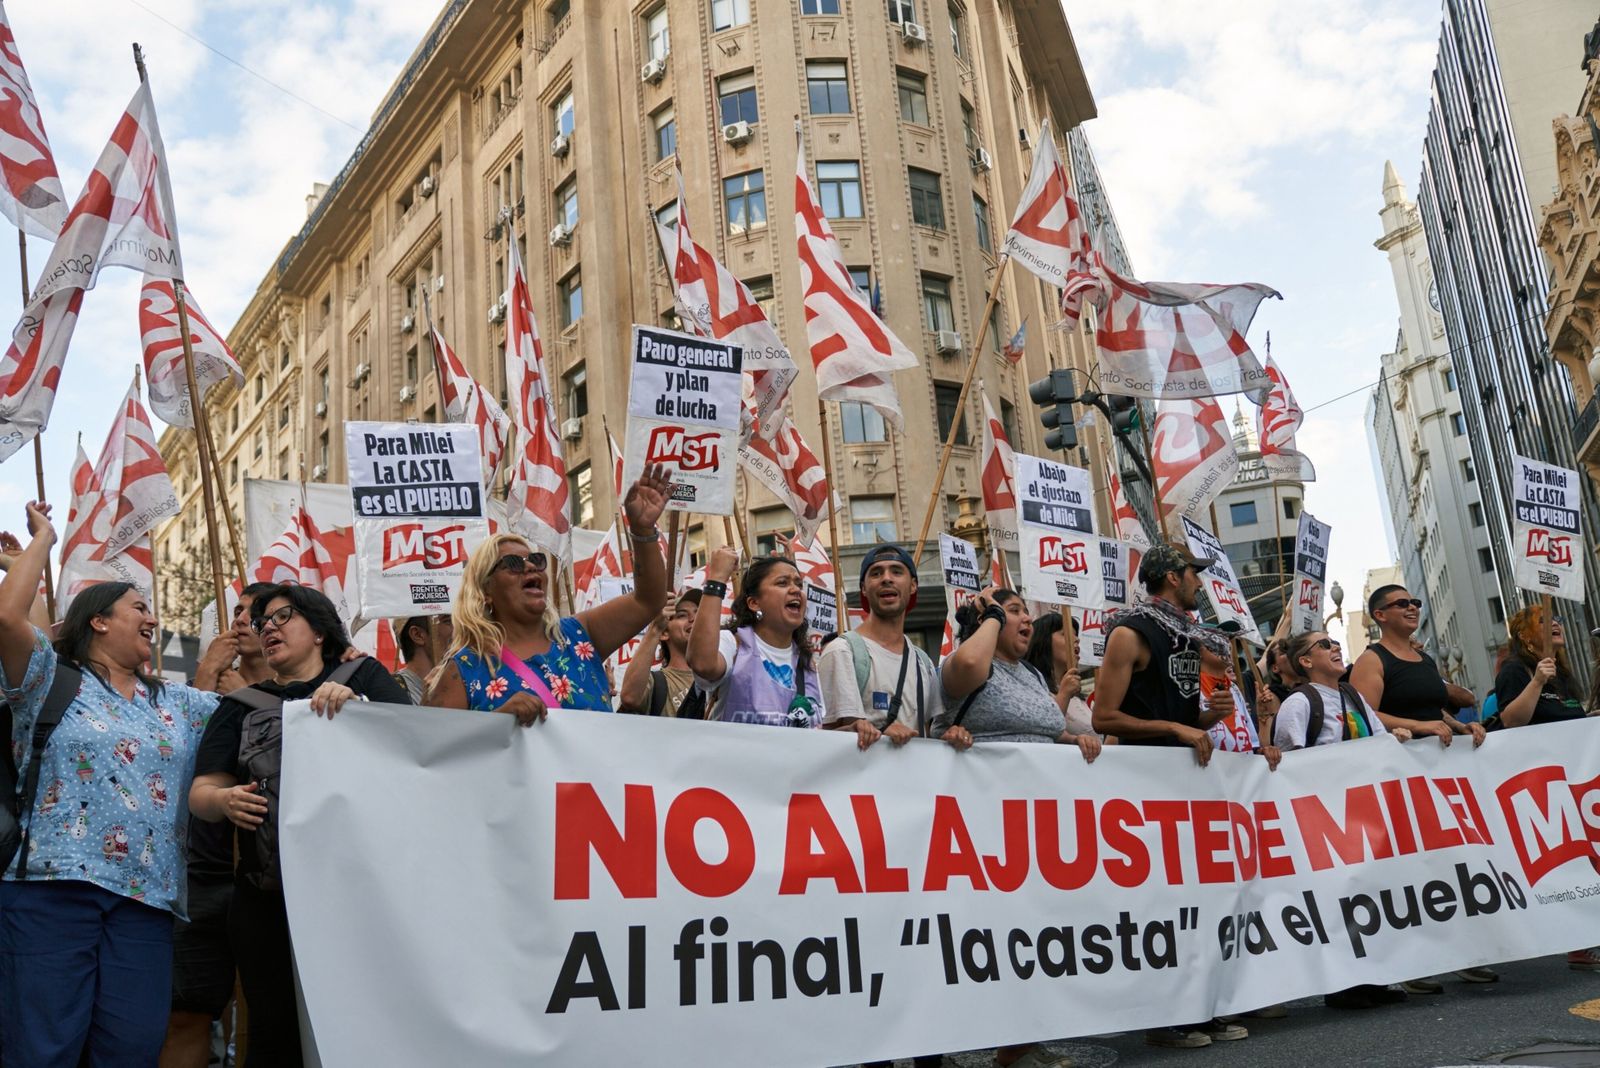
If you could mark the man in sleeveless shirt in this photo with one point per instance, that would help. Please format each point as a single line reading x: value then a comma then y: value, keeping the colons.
x: 1403, y: 684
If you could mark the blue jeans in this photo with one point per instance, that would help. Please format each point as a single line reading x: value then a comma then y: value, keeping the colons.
x: 82, y: 969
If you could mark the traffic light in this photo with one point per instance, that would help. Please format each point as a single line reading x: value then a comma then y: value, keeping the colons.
x: 1056, y: 396
x: 1124, y: 413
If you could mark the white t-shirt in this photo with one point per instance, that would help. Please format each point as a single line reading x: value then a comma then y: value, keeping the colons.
x: 785, y: 659
x: 836, y: 671
x: 1290, y: 729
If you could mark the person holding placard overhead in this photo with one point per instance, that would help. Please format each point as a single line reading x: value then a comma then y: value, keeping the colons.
x: 514, y: 653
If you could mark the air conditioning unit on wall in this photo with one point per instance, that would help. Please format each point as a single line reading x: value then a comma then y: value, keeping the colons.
x: 653, y: 71
x: 913, y: 33
x: 949, y: 342
x: 737, y: 133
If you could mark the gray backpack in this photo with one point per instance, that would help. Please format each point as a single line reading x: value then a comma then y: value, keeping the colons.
x: 261, y: 761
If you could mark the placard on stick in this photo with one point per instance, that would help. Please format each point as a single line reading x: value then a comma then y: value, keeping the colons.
x: 1055, y: 523
x: 683, y: 411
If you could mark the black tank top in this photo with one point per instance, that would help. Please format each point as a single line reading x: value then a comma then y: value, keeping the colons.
x: 1169, y: 689
x: 1412, y: 689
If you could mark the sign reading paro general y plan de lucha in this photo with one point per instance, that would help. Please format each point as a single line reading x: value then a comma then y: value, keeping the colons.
x: 416, y: 494
x: 683, y: 411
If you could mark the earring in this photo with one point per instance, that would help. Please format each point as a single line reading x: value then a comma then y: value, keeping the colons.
x: 319, y: 641
x: 758, y: 615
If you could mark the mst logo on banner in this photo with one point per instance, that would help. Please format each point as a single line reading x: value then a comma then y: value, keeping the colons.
x: 1546, y: 542
x: 1220, y: 583
x: 701, y: 886
x: 1060, y: 552
x: 683, y: 411
x: 417, y: 498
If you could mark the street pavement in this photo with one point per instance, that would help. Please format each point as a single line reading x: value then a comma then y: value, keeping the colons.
x: 1536, y: 1003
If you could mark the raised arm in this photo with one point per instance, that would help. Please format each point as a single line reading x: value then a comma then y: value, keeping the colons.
x: 18, y: 592
x: 964, y: 670
x: 634, y: 692
x: 705, y: 658
x: 613, y: 624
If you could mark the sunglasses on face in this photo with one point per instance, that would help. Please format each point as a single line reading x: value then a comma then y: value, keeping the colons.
x: 517, y: 563
x: 276, y: 619
x: 1404, y: 602
x: 1327, y: 644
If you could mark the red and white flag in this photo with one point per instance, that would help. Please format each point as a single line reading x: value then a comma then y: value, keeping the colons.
x: 304, y: 555
x: 597, y: 555
x: 616, y: 467
x: 713, y: 303
x: 1173, y: 339
x: 999, y: 477
x: 1048, y: 235
x: 466, y: 401
x: 83, y: 559
x: 1195, y: 458
x: 214, y: 362
x: 123, y: 218
x: 1128, y: 525
x: 789, y: 469
x: 31, y: 196
x: 999, y: 573
x: 540, y: 508
x: 853, y: 351
x: 813, y: 563
x: 1277, y: 424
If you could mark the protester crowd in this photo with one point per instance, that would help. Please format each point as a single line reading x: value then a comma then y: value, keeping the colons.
x: 148, y: 876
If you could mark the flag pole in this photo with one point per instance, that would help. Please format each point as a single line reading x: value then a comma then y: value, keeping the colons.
x: 202, y: 437
x: 1155, y: 489
x: 38, y: 447
x: 227, y: 512
x: 738, y: 512
x: 833, y: 511
x: 961, y: 406
x: 674, y: 523
x: 1277, y: 548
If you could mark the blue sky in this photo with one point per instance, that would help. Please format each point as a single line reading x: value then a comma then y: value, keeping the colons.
x: 1241, y: 140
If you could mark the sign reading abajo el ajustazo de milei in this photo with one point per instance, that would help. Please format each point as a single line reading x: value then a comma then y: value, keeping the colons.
x: 1055, y: 526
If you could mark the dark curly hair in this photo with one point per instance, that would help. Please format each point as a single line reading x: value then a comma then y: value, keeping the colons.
x: 317, y: 610
x: 969, y: 614
x: 749, y: 586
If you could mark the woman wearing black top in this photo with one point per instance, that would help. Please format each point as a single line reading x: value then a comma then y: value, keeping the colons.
x: 1403, y: 683
x: 1532, y: 688
x: 303, y: 642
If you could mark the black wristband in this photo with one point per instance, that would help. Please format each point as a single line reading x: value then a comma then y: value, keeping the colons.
x: 713, y: 588
x: 994, y: 612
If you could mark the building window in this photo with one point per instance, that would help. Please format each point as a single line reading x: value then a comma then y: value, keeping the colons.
x: 872, y: 519
x: 957, y: 31
x: 913, y: 98
x: 559, y: 10
x: 1449, y: 380
x: 940, y: 313
x: 819, y: 7
x: 233, y: 419
x: 260, y: 443
x: 666, y: 124
x: 261, y: 387
x: 324, y: 387
x: 1242, y: 513
x: 283, y: 350
x: 980, y: 213
x: 902, y: 11
x: 1458, y: 424
x: 771, y: 528
x: 862, y: 423
x: 561, y: 116
x: 283, y: 417
x: 1497, y: 610
x: 762, y: 293
x: 744, y: 198
x: 575, y: 392
x: 657, y: 42
x: 862, y: 277
x: 322, y: 454
x: 726, y: 14
x: 233, y: 471
x: 945, y: 397
x: 927, y: 202
x: 839, y: 188
x: 1008, y: 420
x: 969, y: 130
x: 571, y: 296
x: 1291, y: 508
x: 828, y: 88
x: 1468, y: 472
x: 667, y: 217
x: 582, y: 487
x: 1475, y: 510
x: 283, y: 464
x: 567, y: 204
x: 1485, y: 560
x: 736, y: 98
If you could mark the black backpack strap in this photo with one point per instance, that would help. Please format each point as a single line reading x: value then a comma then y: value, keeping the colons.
x: 961, y: 713
x: 1314, y: 720
x: 346, y: 671
x: 658, y: 692
x: 63, y: 691
x: 251, y: 697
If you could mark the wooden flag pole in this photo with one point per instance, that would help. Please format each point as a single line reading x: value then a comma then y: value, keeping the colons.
x: 674, y: 523
x: 744, y: 534
x: 227, y: 512
x: 1277, y: 517
x: 38, y: 447
x: 833, y: 513
x: 202, y: 438
x: 1549, y: 625
x: 961, y: 408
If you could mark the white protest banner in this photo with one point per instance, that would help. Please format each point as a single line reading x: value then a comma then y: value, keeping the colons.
x: 1546, y: 544
x: 1220, y: 582
x: 1091, y: 636
x: 822, y: 615
x: 683, y: 411
x: 416, y: 492
x: 1310, y: 572
x: 1055, y: 525
x: 600, y: 885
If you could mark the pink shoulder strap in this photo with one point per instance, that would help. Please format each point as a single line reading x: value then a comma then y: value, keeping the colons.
x: 529, y: 677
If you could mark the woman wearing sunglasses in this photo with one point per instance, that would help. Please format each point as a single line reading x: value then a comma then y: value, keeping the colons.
x: 303, y: 642
x: 514, y: 653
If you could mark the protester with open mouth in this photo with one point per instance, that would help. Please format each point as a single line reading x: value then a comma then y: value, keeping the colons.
x: 514, y: 653
x: 1402, y: 682
x: 236, y: 779
x: 759, y: 669
x: 87, y: 904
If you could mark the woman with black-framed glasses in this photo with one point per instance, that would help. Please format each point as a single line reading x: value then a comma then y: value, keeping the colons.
x: 514, y: 653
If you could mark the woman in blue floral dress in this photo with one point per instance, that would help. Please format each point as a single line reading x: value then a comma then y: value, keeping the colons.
x: 513, y: 653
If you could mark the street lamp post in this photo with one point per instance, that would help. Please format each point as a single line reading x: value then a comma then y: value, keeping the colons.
x: 1336, y: 592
